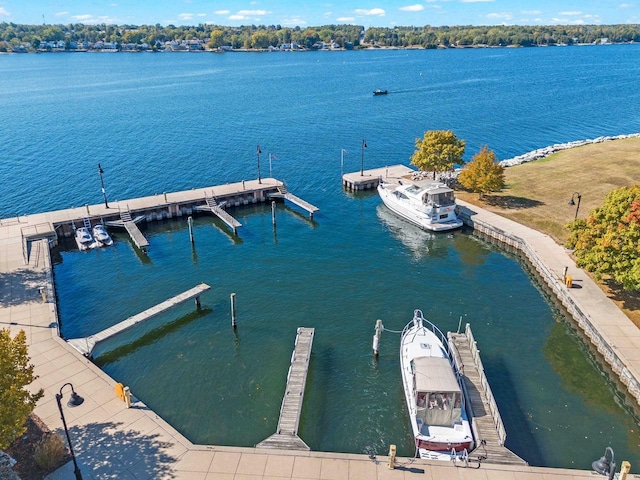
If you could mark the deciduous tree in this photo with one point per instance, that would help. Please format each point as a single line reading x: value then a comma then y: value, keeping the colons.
x: 15, y: 374
x: 483, y: 174
x: 438, y: 151
x: 607, y: 242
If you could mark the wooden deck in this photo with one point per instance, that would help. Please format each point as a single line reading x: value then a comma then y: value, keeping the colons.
x: 218, y: 210
x: 371, y: 178
x: 287, y: 195
x: 487, y: 424
x: 86, y: 345
x: 286, y: 436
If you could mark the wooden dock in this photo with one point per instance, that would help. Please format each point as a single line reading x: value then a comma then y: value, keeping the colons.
x: 487, y: 425
x: 86, y: 345
x: 286, y: 436
x: 218, y: 210
x: 285, y: 194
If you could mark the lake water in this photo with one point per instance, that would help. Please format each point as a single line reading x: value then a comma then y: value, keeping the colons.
x: 161, y: 123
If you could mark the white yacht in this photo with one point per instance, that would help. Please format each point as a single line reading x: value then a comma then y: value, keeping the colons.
x: 84, y: 240
x: 433, y: 391
x: 428, y: 204
x: 101, y: 236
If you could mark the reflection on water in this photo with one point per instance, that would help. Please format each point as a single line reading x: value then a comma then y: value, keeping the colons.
x: 420, y: 243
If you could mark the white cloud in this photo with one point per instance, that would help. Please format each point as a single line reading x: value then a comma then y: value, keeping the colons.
x: 61, y: 14
x: 185, y: 16
x: 91, y: 20
x: 237, y: 17
x: 327, y: 14
x: 532, y: 12
x: 114, y: 5
x: 222, y: 12
x: 345, y: 19
x: 476, y: 1
x: 296, y: 21
x: 374, y: 11
x: 570, y: 14
x: 500, y: 16
x: 82, y: 18
x: 4, y: 12
x: 412, y: 8
x: 626, y: 5
x: 201, y: 15
x: 252, y: 12
x: 576, y: 22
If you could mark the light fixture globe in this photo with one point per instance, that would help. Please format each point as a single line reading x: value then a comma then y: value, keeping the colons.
x: 75, y: 400
x: 604, y: 466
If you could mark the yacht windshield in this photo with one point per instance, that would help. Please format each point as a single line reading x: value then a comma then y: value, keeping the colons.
x: 439, y: 408
x: 441, y: 199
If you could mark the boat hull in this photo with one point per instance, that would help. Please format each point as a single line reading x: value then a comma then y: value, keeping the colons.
x: 442, y: 446
x: 417, y: 218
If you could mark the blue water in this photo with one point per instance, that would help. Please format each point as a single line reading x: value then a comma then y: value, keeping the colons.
x: 161, y: 123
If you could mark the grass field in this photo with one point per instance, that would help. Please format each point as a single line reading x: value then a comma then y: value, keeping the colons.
x: 537, y: 194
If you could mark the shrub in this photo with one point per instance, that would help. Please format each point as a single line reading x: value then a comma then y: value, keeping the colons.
x: 50, y: 452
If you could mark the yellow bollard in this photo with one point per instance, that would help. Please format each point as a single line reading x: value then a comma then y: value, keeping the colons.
x: 392, y: 457
x: 568, y: 280
x: 625, y: 468
x: 127, y: 396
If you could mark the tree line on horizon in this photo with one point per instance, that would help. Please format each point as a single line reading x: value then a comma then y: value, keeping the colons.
x: 261, y: 37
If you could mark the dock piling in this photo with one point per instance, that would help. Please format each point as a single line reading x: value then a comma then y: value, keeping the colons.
x: 273, y: 212
x: 190, y: 222
x: 233, y: 310
x: 376, y: 337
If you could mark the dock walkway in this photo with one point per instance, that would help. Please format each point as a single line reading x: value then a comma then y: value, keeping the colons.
x: 287, y: 195
x: 487, y: 423
x: 218, y: 210
x: 85, y: 345
x: 286, y: 436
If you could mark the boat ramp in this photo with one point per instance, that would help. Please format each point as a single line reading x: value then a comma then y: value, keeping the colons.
x: 286, y: 436
x: 488, y: 429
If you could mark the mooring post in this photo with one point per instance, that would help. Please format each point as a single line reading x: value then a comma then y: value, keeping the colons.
x: 564, y: 275
x: 87, y: 205
x: 376, y: 337
x: 165, y: 197
x: 273, y: 212
x: 190, y: 222
x: 198, y: 302
x: 233, y: 310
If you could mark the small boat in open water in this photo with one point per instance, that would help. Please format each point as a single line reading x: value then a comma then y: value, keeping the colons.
x: 433, y: 391
x: 380, y: 92
x: 428, y: 204
x: 101, y: 236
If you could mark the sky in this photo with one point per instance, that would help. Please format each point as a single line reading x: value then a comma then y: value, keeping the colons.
x: 307, y: 13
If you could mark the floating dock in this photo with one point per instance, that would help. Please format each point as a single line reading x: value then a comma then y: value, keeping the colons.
x: 370, y: 179
x: 285, y: 194
x: 286, y: 436
x: 218, y: 210
x: 86, y: 345
x: 487, y: 425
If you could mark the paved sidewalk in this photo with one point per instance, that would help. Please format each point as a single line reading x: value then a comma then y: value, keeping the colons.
x: 112, y: 441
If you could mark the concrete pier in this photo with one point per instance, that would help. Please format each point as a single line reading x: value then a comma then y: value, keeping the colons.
x: 370, y: 179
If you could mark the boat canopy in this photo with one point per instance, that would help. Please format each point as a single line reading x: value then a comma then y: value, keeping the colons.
x: 434, y: 374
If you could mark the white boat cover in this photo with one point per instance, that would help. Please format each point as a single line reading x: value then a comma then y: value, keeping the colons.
x: 434, y: 374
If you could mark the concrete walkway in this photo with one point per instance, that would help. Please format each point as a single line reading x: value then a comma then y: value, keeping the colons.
x: 112, y: 441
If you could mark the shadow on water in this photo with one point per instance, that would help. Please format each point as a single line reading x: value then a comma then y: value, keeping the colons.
x: 144, y: 258
x: 110, y: 356
x: 301, y: 216
x: 220, y: 226
x: 520, y: 439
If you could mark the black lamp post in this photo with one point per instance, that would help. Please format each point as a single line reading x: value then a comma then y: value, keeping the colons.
x: 572, y: 202
x: 259, y: 152
x: 104, y: 194
x: 74, y: 401
x: 364, y: 145
x: 604, y: 466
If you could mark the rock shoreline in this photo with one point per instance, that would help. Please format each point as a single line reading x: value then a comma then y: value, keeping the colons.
x: 546, y: 151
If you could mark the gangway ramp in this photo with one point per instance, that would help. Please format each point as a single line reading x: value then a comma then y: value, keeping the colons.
x: 287, y: 195
x: 218, y: 210
x: 85, y: 345
x: 286, y: 436
x: 488, y: 428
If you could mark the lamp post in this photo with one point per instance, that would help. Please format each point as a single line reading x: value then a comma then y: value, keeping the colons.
x: 604, y: 466
x: 74, y: 401
x: 259, y: 152
x: 572, y: 202
x: 104, y: 194
x: 364, y: 145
